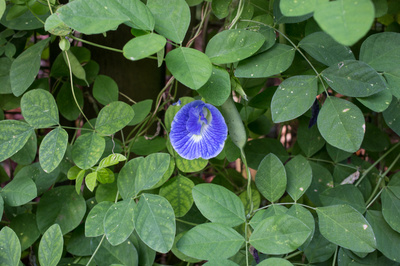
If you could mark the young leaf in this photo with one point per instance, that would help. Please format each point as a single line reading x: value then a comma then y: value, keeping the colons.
x: 341, y: 124
x: 210, y: 241
x: 60, y: 205
x: 166, y: 14
x: 299, y: 176
x: 91, y: 181
x: 22, y: 74
x: 10, y: 247
x: 323, y: 48
x: 144, y: 46
x: 13, y: 136
x: 155, y: 222
x: 269, y: 63
x: 218, y: 87
x: 105, y: 90
x: 52, y: 149
x: 344, y: 226
x: 271, y: 178
x: 189, y: 66
x: 19, y: 191
x: 110, y: 119
x: 219, y: 205
x: 94, y: 225
x: 178, y: 191
x: 279, y: 234
x: 39, y: 108
x: 293, y: 98
x: 233, y: 45
x: 111, y: 159
x: 51, y: 246
x: 87, y: 150
x: 118, y: 221
x: 345, y: 21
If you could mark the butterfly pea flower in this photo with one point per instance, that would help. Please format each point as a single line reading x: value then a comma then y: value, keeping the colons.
x: 198, y: 131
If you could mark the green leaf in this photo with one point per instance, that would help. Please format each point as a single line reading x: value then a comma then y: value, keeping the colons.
x: 257, y: 149
x: 319, y: 249
x: 39, y: 108
x: 309, y: 139
x: 66, y: 103
x: 79, y: 181
x: 219, y: 205
x: 141, y: 110
x: 22, y: 74
x: 94, y: 221
x: 189, y: 66
x: 344, y: 226
x: 105, y: 175
x: 220, y: 8
x: 166, y: 14
x: 87, y: 150
x: 274, y: 262
x: 271, y: 178
x: 218, y: 87
x: 255, y: 199
x: 210, y: 241
x: 178, y: 191
x: 263, y: 214
x: 390, y: 209
x: 2, y: 7
x: 144, y: 146
x: 10, y: 247
x: 78, y: 244
x: 354, y: 78
x: 27, y: 154
x: 322, y: 180
x: 394, y: 185
x: 142, y: 174
x: 189, y: 166
x: 5, y: 66
x: 52, y: 149
x: 60, y: 205
x: 91, y: 181
x: 341, y: 124
x: 118, y: 221
x: 375, y: 139
x: 378, y: 102
x: 19, y: 191
x: 233, y: 45
x: 336, y: 154
x: 144, y: 46
x: 344, y: 194
x: 347, y: 21
x: 323, y: 48
x: 279, y: 234
x: 93, y: 16
x: 112, y: 159
x: 51, y: 246
x: 387, y: 240
x: 76, y: 67
x: 217, y: 262
x: 392, y: 115
x: 380, y: 51
x: 42, y: 180
x: 293, y: 98
x: 269, y: 63
x: 24, y: 226
x: 123, y: 254
x: 155, y: 222
x: 55, y: 26
x: 295, y: 8
x: 105, y: 90
x: 299, y: 176
x: 110, y: 119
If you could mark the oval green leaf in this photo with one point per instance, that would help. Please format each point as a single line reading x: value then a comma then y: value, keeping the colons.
x: 105, y: 89
x: 299, y: 176
x: 144, y: 46
x: 87, y: 150
x: 344, y: 194
x: 110, y: 119
x: 392, y: 115
x: 52, y: 149
x: 10, y: 247
x: 14, y: 135
x: 391, y: 209
x: 51, y: 246
x: 19, y: 191
x: 94, y: 225
x: 218, y: 87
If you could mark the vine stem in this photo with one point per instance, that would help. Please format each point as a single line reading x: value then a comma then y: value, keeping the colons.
x: 72, y: 89
x: 94, y: 253
x: 48, y: 3
x: 238, y: 14
x: 248, y: 173
x: 204, y: 13
x: 95, y: 44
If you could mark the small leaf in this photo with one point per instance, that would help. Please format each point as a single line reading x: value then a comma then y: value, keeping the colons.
x: 91, y: 181
x: 94, y: 221
x: 210, y: 241
x: 76, y: 67
x: 269, y: 63
x: 13, y: 136
x: 112, y: 159
x: 293, y: 98
x: 189, y: 66
x: 233, y: 45
x: 22, y: 74
x: 118, y: 221
x: 52, y: 149
x: 87, y: 150
x: 178, y: 191
x: 341, y: 124
x: 105, y: 175
x: 219, y: 204
x: 105, y: 89
x: 271, y: 178
x: 144, y: 46
x: 155, y: 222
x: 166, y: 14
x: 39, y: 108
x: 110, y: 119
x: 299, y: 176
x: 19, y: 191
x: 279, y: 234
x: 354, y: 78
x: 51, y: 246
x: 218, y: 87
x: 10, y: 247
x: 346, y: 21
x: 344, y: 226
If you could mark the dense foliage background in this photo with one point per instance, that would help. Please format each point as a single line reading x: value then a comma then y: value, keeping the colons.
x: 310, y: 92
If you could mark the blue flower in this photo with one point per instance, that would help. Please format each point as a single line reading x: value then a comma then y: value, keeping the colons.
x: 198, y: 131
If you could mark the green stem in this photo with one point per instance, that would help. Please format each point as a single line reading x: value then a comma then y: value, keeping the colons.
x: 185, y: 222
x: 204, y: 14
x: 293, y: 255
x: 247, y: 243
x: 371, y: 201
x: 94, y: 253
x: 249, y: 192
x: 126, y: 96
x: 48, y: 3
x: 238, y: 14
x: 72, y: 89
x: 95, y: 44
x: 335, y: 256
x: 33, y: 13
